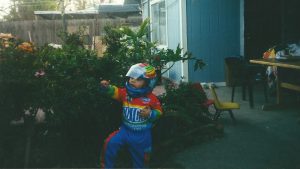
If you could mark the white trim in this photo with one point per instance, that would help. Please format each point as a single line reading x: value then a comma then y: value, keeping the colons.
x: 183, y: 39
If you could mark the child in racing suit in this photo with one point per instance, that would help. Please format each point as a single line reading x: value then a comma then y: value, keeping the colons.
x: 140, y: 109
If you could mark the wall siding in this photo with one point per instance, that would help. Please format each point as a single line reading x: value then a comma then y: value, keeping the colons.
x: 213, y: 33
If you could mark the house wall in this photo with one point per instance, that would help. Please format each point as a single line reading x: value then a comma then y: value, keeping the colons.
x: 173, y: 31
x: 213, y: 33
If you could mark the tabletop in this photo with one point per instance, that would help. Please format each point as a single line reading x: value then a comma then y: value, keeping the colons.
x: 293, y: 64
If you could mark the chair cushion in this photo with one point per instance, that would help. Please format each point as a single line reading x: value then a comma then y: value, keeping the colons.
x: 229, y: 105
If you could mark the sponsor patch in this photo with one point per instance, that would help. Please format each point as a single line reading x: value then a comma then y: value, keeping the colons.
x: 145, y: 100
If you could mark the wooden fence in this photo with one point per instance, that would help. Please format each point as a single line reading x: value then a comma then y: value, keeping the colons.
x: 46, y: 31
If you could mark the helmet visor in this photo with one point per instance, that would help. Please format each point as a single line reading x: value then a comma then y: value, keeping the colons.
x: 135, y: 72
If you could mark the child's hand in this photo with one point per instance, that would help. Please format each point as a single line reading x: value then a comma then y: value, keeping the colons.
x: 145, y: 112
x: 104, y: 83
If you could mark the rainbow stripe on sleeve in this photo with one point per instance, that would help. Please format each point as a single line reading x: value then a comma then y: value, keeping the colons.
x: 113, y: 92
x: 155, y: 114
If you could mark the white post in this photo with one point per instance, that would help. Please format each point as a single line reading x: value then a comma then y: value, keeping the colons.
x: 183, y: 39
x: 29, y: 35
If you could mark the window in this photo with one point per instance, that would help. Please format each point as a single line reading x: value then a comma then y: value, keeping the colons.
x: 158, y: 22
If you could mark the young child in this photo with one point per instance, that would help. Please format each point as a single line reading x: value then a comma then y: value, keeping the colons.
x: 140, y: 109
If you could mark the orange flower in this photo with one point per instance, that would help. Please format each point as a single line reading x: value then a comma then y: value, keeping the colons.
x: 26, y: 47
x: 6, y: 36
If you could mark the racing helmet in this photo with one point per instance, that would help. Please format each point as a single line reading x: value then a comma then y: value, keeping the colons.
x: 144, y: 71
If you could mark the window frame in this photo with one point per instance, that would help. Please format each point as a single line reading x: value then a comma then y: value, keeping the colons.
x: 153, y: 2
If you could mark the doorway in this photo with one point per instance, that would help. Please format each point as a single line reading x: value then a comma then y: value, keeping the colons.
x: 269, y: 23
x: 262, y: 26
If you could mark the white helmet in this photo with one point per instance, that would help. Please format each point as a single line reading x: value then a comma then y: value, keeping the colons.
x: 141, y: 70
x: 144, y: 71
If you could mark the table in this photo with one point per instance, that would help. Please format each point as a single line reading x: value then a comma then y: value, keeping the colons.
x: 288, y: 64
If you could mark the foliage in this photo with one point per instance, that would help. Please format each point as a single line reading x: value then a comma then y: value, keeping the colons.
x: 63, y: 82
x: 17, y: 68
x: 185, y: 102
x: 24, y: 9
x: 82, y: 4
x: 18, y: 87
x: 127, y: 47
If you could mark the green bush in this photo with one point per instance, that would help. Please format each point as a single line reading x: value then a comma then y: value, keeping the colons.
x: 127, y: 47
x: 186, y: 102
x: 63, y: 82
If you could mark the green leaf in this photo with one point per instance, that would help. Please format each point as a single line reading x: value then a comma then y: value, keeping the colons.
x: 143, y: 29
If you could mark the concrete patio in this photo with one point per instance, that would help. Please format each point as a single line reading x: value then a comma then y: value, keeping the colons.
x: 259, y: 140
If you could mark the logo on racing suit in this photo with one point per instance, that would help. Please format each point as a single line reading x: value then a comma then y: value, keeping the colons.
x: 132, y: 115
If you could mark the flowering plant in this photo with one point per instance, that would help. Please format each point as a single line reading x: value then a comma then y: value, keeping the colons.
x: 26, y: 47
x: 63, y: 82
x: 60, y: 82
x: 5, y: 39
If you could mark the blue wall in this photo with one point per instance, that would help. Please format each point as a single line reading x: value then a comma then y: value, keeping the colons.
x: 213, y: 33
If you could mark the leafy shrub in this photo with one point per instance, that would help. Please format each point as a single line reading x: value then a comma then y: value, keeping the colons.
x: 17, y: 67
x: 183, y: 111
x: 63, y: 82
x: 127, y: 47
x: 186, y: 102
